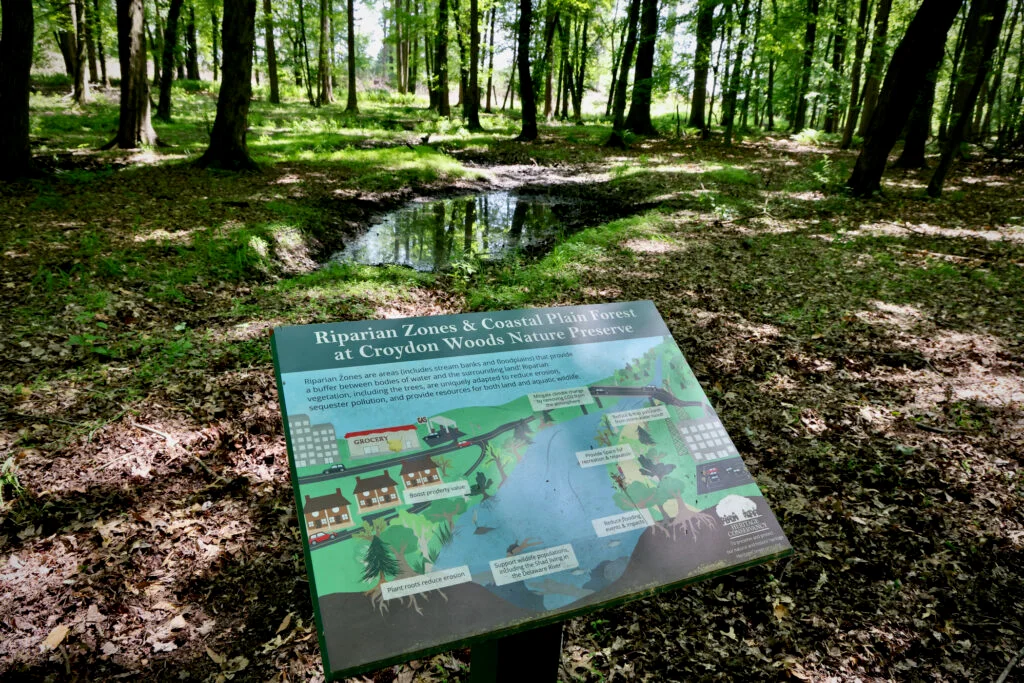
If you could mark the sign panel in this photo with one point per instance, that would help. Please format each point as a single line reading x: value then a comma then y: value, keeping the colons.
x: 467, y: 475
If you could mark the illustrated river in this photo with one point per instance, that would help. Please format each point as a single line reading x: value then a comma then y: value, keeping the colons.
x: 550, y: 499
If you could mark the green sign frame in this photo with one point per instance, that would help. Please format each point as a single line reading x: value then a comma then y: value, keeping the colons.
x: 459, y: 478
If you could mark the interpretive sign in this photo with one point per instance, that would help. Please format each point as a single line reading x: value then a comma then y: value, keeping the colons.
x: 470, y: 475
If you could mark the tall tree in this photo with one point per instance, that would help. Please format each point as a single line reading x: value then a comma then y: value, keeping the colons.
x: 192, y: 46
x: 984, y: 23
x: 917, y: 54
x: 16, y: 43
x: 472, y: 107
x: 228, y: 149
x: 304, y: 46
x: 324, y: 91
x: 214, y: 36
x: 876, y: 64
x: 527, y: 97
x: 617, y: 138
x: 163, y: 107
x: 490, y: 58
x: 444, y: 107
x: 919, y: 125
x: 954, y: 74
x: 639, y: 118
x: 580, y: 71
x: 97, y: 20
x: 853, y: 113
x: 350, y: 19
x: 810, y: 34
x: 729, y: 101
x: 705, y: 31
x: 134, y: 125
x: 836, y: 76
x: 268, y: 40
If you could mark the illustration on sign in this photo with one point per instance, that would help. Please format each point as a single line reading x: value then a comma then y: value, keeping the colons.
x: 461, y: 475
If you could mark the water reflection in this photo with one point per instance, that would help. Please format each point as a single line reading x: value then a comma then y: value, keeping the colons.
x: 434, y: 235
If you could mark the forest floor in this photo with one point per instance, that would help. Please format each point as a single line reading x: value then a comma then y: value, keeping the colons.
x: 867, y: 358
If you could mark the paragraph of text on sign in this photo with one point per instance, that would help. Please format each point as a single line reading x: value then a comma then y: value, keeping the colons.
x: 531, y: 565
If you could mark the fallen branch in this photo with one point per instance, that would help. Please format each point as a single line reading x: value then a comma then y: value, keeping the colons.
x: 1009, y: 667
x: 937, y: 430
x: 171, y: 441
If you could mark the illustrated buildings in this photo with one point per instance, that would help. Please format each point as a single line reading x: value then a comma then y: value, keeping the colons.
x: 373, y: 442
x: 327, y: 513
x: 706, y: 439
x: 312, y: 444
x: 419, y: 472
x: 376, y: 492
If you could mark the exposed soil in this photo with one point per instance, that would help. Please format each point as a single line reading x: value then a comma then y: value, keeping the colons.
x: 867, y: 359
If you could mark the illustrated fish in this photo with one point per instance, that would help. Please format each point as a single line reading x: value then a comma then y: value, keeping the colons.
x: 480, y: 530
x: 614, y: 543
x: 579, y: 572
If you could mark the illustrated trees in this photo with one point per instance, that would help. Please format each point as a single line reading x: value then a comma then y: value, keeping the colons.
x: 16, y: 42
x: 228, y: 149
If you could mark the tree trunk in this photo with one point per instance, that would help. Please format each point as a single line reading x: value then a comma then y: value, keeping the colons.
x: 490, y: 61
x: 546, y: 65
x: 639, y: 118
x: 616, y: 58
x: 214, y: 31
x: 984, y: 23
x: 304, y: 46
x: 729, y: 101
x: 325, y: 92
x: 350, y: 20
x: 836, y: 77
x: 918, y: 53
x: 876, y: 64
x: 528, y: 102
x: 16, y: 43
x: 444, y: 107
x: 134, y: 126
x: 163, y: 107
x: 75, y: 41
x: 617, y: 139
x: 749, y: 77
x: 268, y: 33
x: 954, y: 74
x: 705, y: 30
x: 853, y: 113
x: 228, y: 149
x: 810, y: 34
x: 997, y: 73
x: 192, y: 53
x: 919, y: 125
x: 90, y: 41
x: 581, y: 73
x: 472, y: 107
x: 97, y: 20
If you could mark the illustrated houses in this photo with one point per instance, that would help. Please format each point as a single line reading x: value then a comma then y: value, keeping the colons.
x: 420, y: 472
x: 327, y: 513
x: 376, y: 493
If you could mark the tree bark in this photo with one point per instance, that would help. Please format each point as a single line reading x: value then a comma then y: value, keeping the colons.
x: 268, y: 33
x: 581, y: 74
x: 639, y: 118
x: 351, y: 105
x: 90, y: 41
x: 836, y: 77
x: 304, y: 46
x: 617, y: 139
x: 16, y: 43
x: 134, y: 126
x: 546, y: 64
x: 228, y: 149
x: 490, y: 61
x: 917, y: 54
x: 214, y: 31
x: 444, y: 107
x: 163, y: 107
x: 810, y: 34
x: 876, y: 64
x: 705, y: 31
x: 97, y: 19
x: 472, y: 107
x: 919, y: 125
x: 984, y: 23
x: 729, y: 101
x: 853, y: 113
x: 192, y: 51
x: 528, y: 101
x: 325, y: 92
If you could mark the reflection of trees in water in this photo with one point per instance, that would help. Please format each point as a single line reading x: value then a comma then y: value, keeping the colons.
x: 432, y: 236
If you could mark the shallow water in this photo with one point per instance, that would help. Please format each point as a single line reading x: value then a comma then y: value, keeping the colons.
x: 432, y: 236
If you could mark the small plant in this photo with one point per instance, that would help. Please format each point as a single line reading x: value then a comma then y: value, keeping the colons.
x: 10, y: 487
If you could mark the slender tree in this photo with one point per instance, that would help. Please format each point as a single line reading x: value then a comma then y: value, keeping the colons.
x: 163, y: 107
x: 919, y: 125
x: 729, y: 101
x: 639, y: 118
x: 325, y: 93
x: 268, y: 40
x: 917, y: 54
x: 810, y: 34
x: 101, y: 55
x: 16, y: 43
x: 192, y: 45
x: 215, y: 36
x: 351, y: 105
x: 876, y: 64
x: 527, y: 97
x: 853, y: 113
x: 441, y: 60
x: 490, y: 65
x: 472, y: 100
x: 984, y: 23
x: 705, y: 31
x: 617, y: 138
x: 228, y: 149
x: 835, y: 78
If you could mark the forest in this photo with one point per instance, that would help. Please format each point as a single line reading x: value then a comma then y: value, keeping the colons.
x: 823, y: 199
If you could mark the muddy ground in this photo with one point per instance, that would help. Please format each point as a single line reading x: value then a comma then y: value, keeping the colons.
x: 866, y: 357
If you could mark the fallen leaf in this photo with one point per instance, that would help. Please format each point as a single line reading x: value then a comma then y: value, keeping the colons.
x: 56, y: 637
x: 177, y: 623
x: 285, y: 623
x: 781, y: 611
x: 217, y: 659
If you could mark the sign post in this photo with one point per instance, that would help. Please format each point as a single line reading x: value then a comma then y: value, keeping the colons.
x: 462, y: 479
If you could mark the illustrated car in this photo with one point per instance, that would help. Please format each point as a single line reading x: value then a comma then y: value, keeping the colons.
x: 333, y: 469
x: 320, y: 537
x: 463, y: 444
